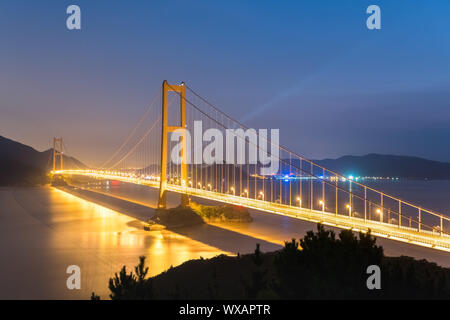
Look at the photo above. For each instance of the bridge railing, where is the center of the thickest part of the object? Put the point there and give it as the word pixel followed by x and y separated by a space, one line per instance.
pixel 301 181
pixel 420 236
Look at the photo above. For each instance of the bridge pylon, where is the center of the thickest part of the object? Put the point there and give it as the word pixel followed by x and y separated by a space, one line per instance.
pixel 165 129
pixel 57 152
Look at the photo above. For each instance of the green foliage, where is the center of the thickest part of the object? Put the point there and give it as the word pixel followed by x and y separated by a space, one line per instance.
pixel 257 258
pixel 177 217
pixel 258 286
pixel 326 266
pixel 213 286
pixel 225 212
pixel 319 266
pixel 124 286
pixel 94 296
pixel 406 277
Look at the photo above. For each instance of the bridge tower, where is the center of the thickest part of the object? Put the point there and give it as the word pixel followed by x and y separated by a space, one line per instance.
pixel 57 152
pixel 165 129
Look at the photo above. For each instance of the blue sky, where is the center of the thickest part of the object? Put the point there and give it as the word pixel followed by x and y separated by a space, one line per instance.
pixel 310 68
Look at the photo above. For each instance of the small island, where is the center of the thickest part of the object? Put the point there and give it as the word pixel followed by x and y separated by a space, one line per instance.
pixel 196 213
pixel 222 213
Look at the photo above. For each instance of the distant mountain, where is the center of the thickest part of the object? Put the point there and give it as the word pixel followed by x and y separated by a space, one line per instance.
pixel 370 165
pixel 22 164
pixel 388 166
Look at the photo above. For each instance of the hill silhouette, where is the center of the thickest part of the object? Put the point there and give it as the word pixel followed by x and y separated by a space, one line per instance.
pixel 376 165
pixel 23 165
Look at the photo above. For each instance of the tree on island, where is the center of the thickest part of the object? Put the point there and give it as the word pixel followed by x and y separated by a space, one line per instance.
pixel 326 266
pixel 124 286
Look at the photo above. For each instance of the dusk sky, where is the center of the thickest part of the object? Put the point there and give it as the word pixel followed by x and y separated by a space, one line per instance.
pixel 310 68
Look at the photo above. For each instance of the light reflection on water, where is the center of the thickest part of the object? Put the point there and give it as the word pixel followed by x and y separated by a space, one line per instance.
pixel 47 230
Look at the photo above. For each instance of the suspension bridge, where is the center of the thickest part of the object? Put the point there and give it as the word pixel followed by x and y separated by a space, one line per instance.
pixel 299 189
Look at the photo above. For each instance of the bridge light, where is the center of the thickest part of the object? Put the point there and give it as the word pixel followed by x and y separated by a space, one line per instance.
pixel 322 204
pixel 209 186
pixel 299 200
pixel 262 195
pixel 349 210
pixel 199 184
pixel 232 190
pixel 381 214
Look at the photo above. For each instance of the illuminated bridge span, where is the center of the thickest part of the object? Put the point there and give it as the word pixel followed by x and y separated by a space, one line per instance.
pixel 300 188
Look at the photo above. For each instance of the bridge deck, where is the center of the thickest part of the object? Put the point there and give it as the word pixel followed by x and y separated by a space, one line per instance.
pixel 423 238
